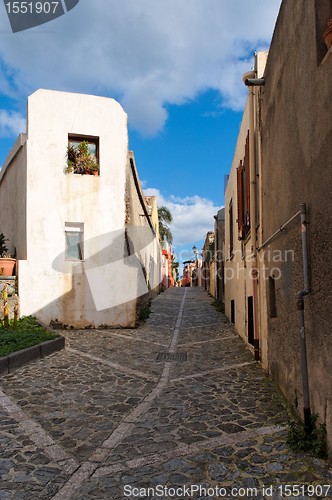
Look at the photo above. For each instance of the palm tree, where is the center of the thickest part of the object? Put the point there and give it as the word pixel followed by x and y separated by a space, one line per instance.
pixel 165 218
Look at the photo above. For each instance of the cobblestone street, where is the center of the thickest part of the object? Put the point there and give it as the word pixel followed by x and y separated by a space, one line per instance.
pixel 104 418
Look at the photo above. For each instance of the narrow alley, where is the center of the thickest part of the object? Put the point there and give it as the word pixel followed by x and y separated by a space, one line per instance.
pixel 174 409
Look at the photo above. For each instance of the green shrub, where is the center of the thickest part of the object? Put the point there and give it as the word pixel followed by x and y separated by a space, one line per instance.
pixel 315 442
pixel 144 311
pixel 26 334
pixel 219 306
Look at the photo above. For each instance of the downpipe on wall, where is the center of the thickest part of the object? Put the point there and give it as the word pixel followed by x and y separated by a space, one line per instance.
pixel 300 308
pixel 253 217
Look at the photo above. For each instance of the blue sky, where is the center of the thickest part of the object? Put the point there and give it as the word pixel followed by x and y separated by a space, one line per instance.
pixel 195 148
pixel 175 66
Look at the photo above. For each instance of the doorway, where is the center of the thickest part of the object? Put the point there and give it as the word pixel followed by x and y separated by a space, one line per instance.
pixel 251 321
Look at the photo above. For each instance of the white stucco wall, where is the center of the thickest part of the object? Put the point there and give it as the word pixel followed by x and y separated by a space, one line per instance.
pixel 140 232
pixel 50 288
pixel 13 183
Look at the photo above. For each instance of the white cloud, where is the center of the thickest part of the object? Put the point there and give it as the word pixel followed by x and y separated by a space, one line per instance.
pixel 11 123
pixel 192 216
pixel 147 53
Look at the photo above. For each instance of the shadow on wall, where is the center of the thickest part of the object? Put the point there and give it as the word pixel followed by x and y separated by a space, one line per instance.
pixel 106 287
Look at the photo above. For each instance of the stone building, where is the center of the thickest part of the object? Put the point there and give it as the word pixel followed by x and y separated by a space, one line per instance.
pixel 278 210
pixel 296 145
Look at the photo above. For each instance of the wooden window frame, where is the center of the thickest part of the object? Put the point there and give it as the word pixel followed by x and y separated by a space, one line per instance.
pixel 243 193
pixel 231 229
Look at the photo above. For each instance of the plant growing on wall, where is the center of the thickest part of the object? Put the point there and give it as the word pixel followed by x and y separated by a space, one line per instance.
pixel 315 442
pixel 3 247
pixel 80 160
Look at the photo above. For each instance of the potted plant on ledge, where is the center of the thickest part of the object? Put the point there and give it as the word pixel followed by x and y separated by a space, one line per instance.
pixel 80 160
pixel 7 263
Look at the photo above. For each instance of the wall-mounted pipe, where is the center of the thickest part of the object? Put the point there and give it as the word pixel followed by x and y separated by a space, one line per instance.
pixel 300 307
pixel 281 228
pixel 253 204
pixel 250 76
pixel 254 82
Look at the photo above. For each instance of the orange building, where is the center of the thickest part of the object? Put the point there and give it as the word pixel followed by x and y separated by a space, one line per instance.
pixel 167 279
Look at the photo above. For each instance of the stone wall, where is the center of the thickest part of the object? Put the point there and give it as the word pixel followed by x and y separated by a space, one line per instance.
pixel 13 298
pixel 296 134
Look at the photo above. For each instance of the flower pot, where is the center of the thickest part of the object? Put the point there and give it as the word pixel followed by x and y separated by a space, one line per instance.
pixel 328 35
pixel 7 265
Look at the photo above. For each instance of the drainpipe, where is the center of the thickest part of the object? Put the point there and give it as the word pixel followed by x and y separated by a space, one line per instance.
pixel 252 160
pixel 300 309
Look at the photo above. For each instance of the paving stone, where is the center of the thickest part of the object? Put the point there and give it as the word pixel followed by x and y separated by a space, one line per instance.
pixel 5 494
pixel 218 472
pixel 275 467
pixel 99 404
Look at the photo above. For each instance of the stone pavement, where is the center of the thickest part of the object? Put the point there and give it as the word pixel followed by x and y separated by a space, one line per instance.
pixel 103 419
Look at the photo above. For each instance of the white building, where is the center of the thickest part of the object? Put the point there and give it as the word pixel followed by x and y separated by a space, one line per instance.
pixel 83 258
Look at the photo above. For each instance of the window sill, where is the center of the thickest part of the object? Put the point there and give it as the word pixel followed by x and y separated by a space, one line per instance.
pixel 82 175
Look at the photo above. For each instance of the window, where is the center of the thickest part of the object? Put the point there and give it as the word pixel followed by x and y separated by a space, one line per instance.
pixel 243 194
pixel 231 229
pixel 93 143
pixel 74 234
pixel 272 298
pixel 83 154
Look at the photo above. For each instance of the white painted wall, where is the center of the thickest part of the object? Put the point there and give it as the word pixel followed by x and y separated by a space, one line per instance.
pixel 13 183
pixel 140 227
pixel 50 288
